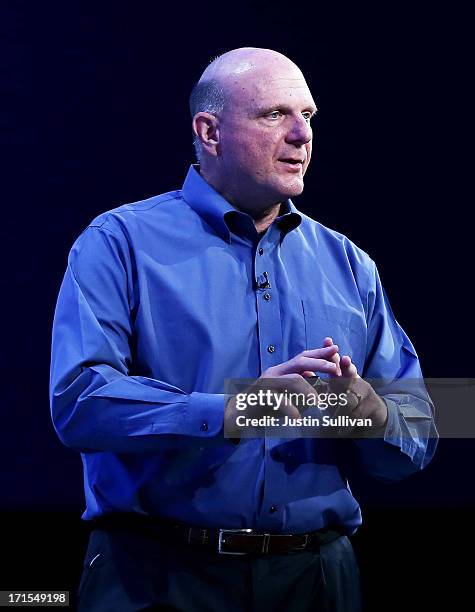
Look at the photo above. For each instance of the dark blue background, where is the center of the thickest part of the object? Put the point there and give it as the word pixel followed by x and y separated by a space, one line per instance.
pixel 95 114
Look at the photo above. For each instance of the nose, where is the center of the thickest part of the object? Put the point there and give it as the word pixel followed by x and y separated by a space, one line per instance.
pixel 299 132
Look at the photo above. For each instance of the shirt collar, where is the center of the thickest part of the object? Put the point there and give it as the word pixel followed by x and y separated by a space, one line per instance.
pixel 216 210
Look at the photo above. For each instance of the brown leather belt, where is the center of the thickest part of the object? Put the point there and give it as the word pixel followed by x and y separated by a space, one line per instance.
pixel 224 541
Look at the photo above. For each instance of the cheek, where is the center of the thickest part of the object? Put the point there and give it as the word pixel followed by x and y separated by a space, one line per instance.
pixel 256 153
pixel 309 157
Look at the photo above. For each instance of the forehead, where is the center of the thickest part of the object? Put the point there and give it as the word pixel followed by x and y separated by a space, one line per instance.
pixel 281 85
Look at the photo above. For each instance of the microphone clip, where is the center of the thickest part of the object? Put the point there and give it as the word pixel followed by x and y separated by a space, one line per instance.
pixel 263 284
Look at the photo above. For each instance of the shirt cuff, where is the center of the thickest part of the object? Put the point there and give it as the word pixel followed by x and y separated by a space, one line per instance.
pixel 394 433
pixel 205 414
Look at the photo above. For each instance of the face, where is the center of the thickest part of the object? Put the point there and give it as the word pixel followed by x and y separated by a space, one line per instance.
pixel 265 138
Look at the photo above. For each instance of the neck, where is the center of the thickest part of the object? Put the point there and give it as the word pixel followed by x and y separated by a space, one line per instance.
pixel 262 217
pixel 266 217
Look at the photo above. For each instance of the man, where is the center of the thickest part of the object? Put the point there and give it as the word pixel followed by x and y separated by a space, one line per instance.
pixel 165 299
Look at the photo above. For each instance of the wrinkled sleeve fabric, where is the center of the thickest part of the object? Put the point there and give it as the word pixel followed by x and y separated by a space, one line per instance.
pixel 96 405
pixel 410 436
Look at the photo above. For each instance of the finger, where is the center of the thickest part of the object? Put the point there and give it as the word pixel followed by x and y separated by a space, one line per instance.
pixel 285 383
pixel 315 360
pixel 336 361
pixel 292 375
pixel 324 352
pixel 303 363
pixel 348 369
pixel 349 374
pixel 289 383
pixel 327 342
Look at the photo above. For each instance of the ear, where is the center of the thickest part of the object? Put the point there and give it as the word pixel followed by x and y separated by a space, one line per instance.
pixel 206 128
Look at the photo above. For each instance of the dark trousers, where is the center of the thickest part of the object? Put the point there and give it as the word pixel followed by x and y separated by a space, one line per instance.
pixel 125 572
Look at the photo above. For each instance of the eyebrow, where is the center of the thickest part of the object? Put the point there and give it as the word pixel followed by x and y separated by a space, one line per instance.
pixel 268 109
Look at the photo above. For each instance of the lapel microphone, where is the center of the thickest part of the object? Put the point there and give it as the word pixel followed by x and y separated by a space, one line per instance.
pixel 263 284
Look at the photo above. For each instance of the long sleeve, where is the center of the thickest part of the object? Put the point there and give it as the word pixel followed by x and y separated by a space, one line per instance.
pixel 96 404
pixel 410 437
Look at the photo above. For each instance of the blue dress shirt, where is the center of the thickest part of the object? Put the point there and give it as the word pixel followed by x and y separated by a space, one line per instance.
pixel 160 304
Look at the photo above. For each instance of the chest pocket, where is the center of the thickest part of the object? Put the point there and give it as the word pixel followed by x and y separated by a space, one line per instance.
pixel 346 327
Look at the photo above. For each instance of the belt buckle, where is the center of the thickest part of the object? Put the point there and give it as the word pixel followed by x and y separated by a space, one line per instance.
pixel 222 532
pixel 303 546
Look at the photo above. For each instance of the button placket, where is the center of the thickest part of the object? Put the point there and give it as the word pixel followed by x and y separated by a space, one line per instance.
pixel 272 509
pixel 267 301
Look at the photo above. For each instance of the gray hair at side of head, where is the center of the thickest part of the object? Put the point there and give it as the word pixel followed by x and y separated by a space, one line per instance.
pixel 207 96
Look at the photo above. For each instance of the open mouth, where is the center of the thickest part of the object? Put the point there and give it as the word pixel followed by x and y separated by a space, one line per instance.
pixel 294 162
pixel 292 165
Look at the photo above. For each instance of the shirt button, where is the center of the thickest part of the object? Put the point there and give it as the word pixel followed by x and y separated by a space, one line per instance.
pixel 204 426
pixel 261 250
pixel 273 509
pixel 267 296
pixel 270 348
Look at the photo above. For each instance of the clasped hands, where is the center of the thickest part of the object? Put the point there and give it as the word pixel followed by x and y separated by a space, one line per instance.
pixel 362 402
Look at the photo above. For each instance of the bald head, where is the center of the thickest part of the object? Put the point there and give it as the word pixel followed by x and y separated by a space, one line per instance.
pixel 237 65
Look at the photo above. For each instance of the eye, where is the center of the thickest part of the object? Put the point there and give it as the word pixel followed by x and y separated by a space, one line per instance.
pixel 307 116
pixel 274 115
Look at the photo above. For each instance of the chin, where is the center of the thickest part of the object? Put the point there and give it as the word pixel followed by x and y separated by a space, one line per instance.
pixel 291 190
